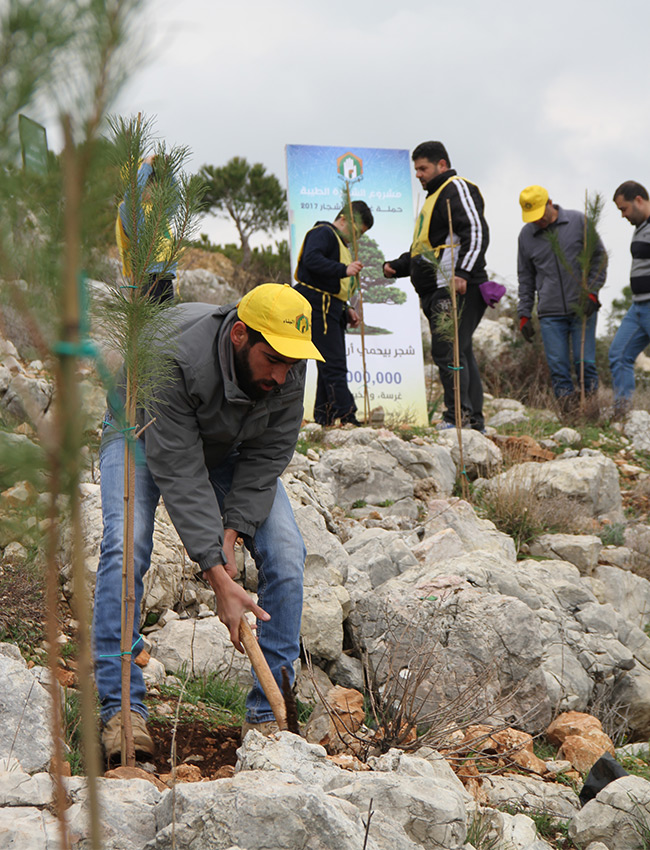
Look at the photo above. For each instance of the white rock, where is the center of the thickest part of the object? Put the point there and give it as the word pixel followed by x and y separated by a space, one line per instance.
pixel 260 809
pixel 199 647
pixel 583 550
pixel 507 417
pixel 591 480
pixel 568 436
pixel 528 793
pixel 322 620
pixel 482 458
pixel 25 708
pixel 637 429
pixel 615 816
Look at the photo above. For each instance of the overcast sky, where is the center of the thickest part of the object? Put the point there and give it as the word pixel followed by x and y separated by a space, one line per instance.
pixel 551 93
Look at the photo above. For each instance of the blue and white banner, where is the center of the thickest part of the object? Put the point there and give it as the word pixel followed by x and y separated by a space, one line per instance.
pixel 393 344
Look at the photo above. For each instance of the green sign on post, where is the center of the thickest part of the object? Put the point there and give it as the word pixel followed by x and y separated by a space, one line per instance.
pixel 33 143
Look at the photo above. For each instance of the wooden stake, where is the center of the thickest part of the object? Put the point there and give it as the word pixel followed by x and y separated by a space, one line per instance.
pixel 263 673
pixel 458 413
pixel 355 256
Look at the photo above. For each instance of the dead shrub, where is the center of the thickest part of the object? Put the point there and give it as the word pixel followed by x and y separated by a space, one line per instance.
pixel 415 697
pixel 518 511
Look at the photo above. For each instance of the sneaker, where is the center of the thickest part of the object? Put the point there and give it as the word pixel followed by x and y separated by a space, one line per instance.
pixel 266 728
pixel 112 736
pixel 445 426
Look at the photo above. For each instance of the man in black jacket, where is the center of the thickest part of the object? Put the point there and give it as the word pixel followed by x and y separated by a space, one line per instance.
pixel 325 275
pixel 429 265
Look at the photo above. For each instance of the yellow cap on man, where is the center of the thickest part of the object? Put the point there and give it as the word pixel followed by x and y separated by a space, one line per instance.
pixel 533 202
pixel 283 317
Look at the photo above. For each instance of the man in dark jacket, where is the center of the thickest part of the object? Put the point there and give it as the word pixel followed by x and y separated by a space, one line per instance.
pixel 550 266
pixel 325 275
pixel 429 265
pixel 221 433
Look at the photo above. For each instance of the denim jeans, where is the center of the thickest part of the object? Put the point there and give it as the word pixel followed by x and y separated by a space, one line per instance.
pixel 631 338
pixel 278 551
pixel 561 336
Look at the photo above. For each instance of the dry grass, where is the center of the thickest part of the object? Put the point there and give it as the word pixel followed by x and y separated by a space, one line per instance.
pixel 518 511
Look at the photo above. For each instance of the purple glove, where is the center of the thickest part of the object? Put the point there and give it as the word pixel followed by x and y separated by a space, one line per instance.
pixel 492 292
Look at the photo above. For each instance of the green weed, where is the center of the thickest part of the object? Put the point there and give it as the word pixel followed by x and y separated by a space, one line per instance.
pixel 613 535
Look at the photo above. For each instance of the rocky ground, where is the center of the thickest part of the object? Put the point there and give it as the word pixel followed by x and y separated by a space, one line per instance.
pixel 467 661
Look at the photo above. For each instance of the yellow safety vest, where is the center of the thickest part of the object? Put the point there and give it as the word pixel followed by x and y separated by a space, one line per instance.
pixel 124 244
pixel 421 244
pixel 348 284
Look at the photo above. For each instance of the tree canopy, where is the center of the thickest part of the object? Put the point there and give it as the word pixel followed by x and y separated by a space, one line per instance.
pixel 253 199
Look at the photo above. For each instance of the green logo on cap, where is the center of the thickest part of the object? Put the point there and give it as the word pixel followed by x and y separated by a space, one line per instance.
pixel 302 323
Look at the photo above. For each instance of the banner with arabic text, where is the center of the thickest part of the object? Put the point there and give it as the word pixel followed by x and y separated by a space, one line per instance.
pixel 393 344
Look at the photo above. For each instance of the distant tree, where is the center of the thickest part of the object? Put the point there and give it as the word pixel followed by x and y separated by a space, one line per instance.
pixel 374 287
pixel 253 199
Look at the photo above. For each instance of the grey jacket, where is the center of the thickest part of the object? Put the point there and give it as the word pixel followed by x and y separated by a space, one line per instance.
pixel 540 270
pixel 203 419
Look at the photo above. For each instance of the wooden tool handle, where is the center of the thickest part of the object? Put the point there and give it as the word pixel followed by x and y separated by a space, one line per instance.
pixel 263 673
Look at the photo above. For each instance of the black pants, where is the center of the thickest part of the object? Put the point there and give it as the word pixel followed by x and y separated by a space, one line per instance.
pixel 333 398
pixel 160 288
pixel 471 307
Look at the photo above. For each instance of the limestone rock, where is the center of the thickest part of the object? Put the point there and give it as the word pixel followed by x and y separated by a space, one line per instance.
pixel 25 708
pixel 616 816
pixel 327 560
pixel 507 417
pixel 591 480
pixel 480 456
pixel 259 809
pixel 322 620
pixel 572 723
pixel 627 592
pixel 530 794
pixel 491 337
pixel 431 816
pixel 637 429
pixel 363 473
pixel 127 812
pixel 291 755
pixel 584 752
pixel 199 647
pixel 445 642
pixel 334 725
pixel 474 533
pixel 203 285
pixel 568 436
pixel 582 550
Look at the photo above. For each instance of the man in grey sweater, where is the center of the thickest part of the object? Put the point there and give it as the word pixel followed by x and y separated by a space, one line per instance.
pixel 549 267
pixel 221 433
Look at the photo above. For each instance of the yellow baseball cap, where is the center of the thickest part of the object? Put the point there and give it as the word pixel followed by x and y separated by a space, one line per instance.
pixel 283 317
pixel 533 202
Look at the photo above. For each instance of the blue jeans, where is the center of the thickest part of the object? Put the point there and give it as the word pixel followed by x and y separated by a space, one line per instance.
pixel 561 336
pixel 278 551
pixel 631 338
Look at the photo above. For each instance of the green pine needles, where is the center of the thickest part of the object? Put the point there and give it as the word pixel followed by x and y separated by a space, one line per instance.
pixel 162 218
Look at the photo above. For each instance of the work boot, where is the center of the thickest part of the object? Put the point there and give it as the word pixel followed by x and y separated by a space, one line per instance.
pixel 266 728
pixel 112 736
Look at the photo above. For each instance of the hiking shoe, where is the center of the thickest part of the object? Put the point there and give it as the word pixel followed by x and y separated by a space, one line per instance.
pixel 112 736
pixel 266 728
pixel 444 425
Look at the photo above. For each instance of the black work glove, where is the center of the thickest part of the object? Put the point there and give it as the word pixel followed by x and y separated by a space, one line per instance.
pixel 592 304
pixel 526 328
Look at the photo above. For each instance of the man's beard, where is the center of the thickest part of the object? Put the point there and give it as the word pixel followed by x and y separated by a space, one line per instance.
pixel 245 376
